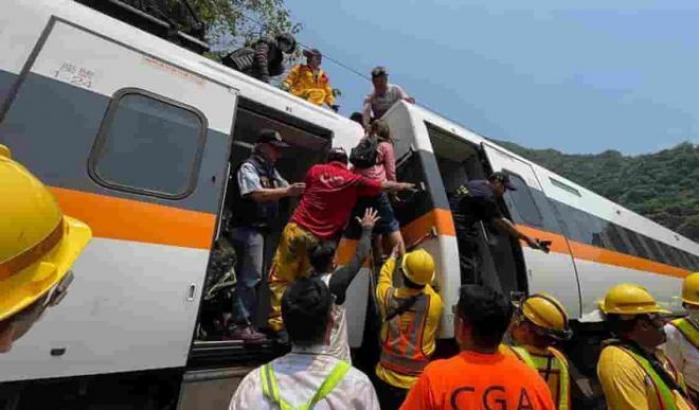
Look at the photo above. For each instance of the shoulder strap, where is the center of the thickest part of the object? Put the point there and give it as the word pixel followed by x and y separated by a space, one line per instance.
pixel 564 377
pixel 523 355
pixel 333 379
pixel 402 306
pixel 663 390
pixel 270 389
pixel 688 330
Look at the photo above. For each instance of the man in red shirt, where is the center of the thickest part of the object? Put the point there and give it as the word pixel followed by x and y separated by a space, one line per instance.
pixel 480 377
pixel 331 192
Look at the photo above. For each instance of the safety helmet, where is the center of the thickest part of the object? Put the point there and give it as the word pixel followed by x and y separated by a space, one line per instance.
pixel 547 313
pixel 629 299
pixel 690 289
pixel 38 244
pixel 418 267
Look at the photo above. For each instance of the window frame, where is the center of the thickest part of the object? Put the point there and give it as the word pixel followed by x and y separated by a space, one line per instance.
pixel 541 223
pixel 105 126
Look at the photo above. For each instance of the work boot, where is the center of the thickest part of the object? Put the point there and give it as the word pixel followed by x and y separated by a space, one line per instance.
pixel 247 334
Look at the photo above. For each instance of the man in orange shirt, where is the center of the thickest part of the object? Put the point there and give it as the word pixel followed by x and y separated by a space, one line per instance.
pixel 480 377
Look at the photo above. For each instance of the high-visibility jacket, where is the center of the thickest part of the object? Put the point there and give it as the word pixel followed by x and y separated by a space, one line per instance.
pixel 688 330
pixel 315 87
pixel 630 381
pixel 682 347
pixel 271 390
pixel 552 365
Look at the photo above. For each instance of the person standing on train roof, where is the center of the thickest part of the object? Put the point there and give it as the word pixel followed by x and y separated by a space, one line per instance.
pixel 38 246
pixel 382 168
pixel 264 59
pixel 309 377
pixel 477 200
pixel 480 377
pixel 410 317
pixel 256 191
pixel 539 322
pixel 309 81
pixel 682 346
pixel 633 371
pixel 339 280
pixel 331 192
pixel 383 97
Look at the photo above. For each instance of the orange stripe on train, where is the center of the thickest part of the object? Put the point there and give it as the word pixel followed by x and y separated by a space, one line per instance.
pixel 127 219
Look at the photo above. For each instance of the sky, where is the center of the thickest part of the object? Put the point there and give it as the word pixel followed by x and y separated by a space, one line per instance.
pixel 581 76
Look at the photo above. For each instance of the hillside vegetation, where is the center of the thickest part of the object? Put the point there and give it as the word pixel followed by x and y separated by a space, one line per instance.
pixel 663 186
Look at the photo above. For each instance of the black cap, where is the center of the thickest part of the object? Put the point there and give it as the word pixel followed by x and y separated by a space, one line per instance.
pixel 337 154
pixel 504 178
pixel 310 52
pixel 378 72
pixel 272 137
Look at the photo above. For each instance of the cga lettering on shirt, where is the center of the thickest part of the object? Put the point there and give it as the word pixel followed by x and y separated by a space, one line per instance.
pixel 494 397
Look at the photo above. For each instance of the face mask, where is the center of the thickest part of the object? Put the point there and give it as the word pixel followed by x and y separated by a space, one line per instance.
pixel 693 315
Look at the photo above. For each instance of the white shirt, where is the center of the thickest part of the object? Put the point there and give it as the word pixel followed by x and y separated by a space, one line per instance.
pixel 683 355
pixel 337 342
pixel 299 374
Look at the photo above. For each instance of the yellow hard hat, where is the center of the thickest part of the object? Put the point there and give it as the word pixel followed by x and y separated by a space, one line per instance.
pixel 629 299
pixel 418 266
pixel 38 244
pixel 545 311
pixel 690 289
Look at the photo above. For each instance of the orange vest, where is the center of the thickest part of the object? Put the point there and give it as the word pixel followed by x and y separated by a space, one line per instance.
pixel 401 350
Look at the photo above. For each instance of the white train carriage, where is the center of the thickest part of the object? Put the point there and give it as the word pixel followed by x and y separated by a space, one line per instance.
pixel 137 137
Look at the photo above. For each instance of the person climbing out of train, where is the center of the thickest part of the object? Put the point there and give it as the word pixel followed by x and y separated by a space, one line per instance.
pixel 331 192
pixel 38 246
pixel 682 346
pixel 339 279
pixel 480 376
pixel 382 97
pixel 256 191
pixel 410 316
pixel 538 324
pixel 309 81
pixel 264 59
pixel 309 376
pixel 375 159
pixel 633 371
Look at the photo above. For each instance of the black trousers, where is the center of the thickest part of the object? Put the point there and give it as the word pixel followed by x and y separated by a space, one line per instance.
pixel 390 397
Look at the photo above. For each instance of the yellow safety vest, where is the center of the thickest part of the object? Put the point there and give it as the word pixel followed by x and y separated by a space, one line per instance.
pixel 541 364
pixel 688 330
pixel 271 390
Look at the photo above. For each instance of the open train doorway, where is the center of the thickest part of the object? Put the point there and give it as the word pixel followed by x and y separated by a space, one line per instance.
pixel 308 145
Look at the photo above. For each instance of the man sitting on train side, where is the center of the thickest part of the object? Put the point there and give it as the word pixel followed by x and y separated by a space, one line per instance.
pixel 256 191
pixel 309 81
pixel 383 97
pixel 331 192
pixel 264 59
pixel 308 377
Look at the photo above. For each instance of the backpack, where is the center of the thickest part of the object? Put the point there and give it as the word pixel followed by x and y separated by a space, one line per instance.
pixel 365 153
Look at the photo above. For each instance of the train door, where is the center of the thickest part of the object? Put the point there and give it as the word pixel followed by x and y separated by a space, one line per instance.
pixel 530 210
pixel 136 147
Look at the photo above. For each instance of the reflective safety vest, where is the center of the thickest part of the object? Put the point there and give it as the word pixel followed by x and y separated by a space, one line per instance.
pixel 688 330
pixel 401 351
pixel 664 394
pixel 541 364
pixel 271 390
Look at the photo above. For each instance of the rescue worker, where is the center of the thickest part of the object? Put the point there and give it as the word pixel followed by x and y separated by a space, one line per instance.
pixel 308 377
pixel 264 59
pixel 331 192
pixel 480 377
pixel 682 346
pixel 309 81
pixel 634 373
pixel 538 323
pixel 339 279
pixel 38 246
pixel 257 189
pixel 410 315
pixel 382 97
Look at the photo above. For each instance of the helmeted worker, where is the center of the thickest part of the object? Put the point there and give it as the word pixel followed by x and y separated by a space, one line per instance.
pixel 682 346
pixel 539 321
pixel 634 374
pixel 38 245
pixel 309 81
pixel 410 316
pixel 309 377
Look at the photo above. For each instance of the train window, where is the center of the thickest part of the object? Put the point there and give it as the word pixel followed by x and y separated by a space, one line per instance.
pixel 660 255
pixel 669 251
pixel 523 202
pixel 638 246
pixel 149 144
pixel 684 258
pixel 614 236
pixel 564 186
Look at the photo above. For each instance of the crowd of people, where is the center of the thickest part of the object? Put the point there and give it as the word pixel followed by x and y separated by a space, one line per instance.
pixel 510 351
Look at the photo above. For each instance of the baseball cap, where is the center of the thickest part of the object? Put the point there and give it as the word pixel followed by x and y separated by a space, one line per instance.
pixel 504 178
pixel 337 154
pixel 378 71
pixel 312 52
pixel 272 137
